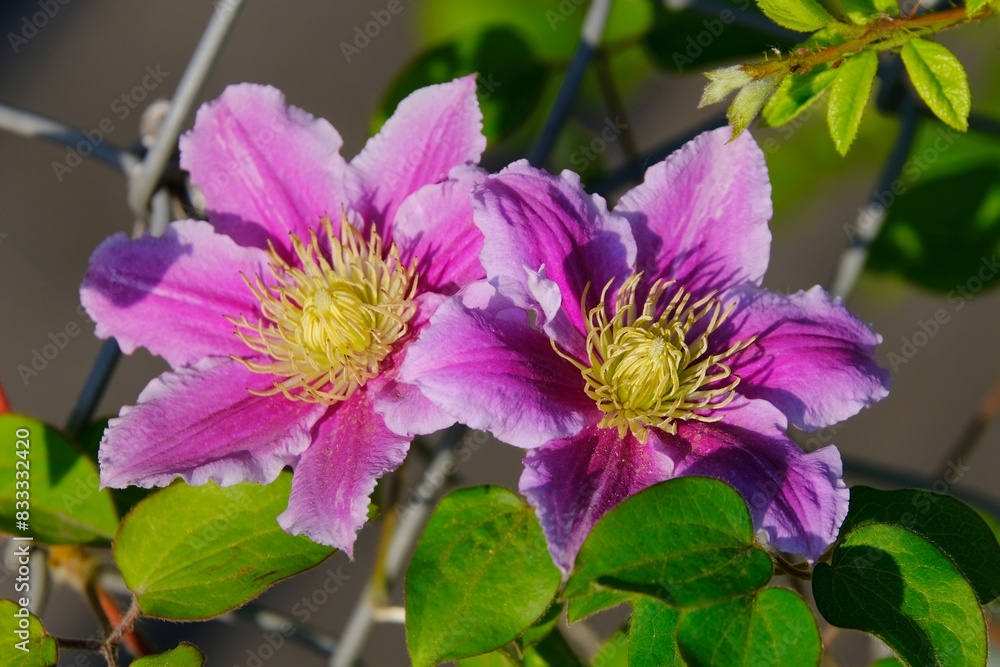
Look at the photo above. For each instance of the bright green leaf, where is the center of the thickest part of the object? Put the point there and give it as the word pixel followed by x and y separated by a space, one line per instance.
pixel 866 11
pixel 800 15
pixel 770 628
pixel 940 79
pixel 185 655
pixel 33 648
pixel 796 93
pixel 899 587
pixel 973 7
pixel 481 576
pixel 687 541
pixel 849 96
pixel 60 485
pixel 510 81
pixel 195 552
pixel 492 659
pixel 593 601
pixel 948 523
pixel 653 635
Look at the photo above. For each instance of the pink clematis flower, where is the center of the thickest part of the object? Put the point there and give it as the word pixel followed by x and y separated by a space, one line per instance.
pixel 286 317
pixel 649 349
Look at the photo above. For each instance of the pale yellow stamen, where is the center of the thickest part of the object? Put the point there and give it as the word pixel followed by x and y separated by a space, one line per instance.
pixel 330 321
pixel 649 370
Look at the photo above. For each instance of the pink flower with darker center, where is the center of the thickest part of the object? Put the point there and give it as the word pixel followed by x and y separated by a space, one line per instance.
pixel 626 347
pixel 285 318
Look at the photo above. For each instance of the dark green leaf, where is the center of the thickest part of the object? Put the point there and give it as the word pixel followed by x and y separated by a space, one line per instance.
pixel 614 652
pixel 552 651
pixel 687 541
pixel 948 523
pixel 943 233
pixel 25 642
pixel 541 628
pixel 61 486
pixel 801 15
pixel 195 552
pixel 510 79
pixel 940 79
pixel 652 635
pixel 687 39
pixel 796 93
pixel 849 96
pixel 185 655
pixel 593 601
pixel 770 628
pixel 888 662
pixel 898 586
pixel 480 577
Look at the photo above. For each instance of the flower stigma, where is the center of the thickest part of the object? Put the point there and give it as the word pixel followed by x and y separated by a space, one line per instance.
pixel 648 369
pixel 328 325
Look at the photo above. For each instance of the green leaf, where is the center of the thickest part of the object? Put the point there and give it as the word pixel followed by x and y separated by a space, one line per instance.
pixel 593 601
pixel 652 635
pixel 943 233
pixel 541 628
pixel 480 577
pixel 553 651
pixel 687 39
pixel 801 15
pixel 510 81
pixel 940 79
pixel 946 522
pixel 973 7
pixel 61 486
pixel 492 659
pixel 899 587
pixel 90 441
pixel 614 652
pixel 749 101
pixel 25 642
pixel 770 628
pixel 796 93
pixel 687 541
pixel 195 552
pixel 184 655
pixel 849 97
pixel 888 662
pixel 866 11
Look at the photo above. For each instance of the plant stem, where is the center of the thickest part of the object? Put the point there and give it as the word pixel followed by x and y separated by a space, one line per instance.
pixel 974 430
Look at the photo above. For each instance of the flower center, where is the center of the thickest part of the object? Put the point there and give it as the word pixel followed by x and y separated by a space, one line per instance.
pixel 649 370
pixel 328 323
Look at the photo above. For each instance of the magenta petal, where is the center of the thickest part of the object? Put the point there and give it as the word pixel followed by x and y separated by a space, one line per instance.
pixel 333 479
pixel 201 423
pixel 434 226
pixel 267 169
pixel 489 369
pixel 798 499
pixel 546 241
pixel 172 294
pixel 812 358
pixel 572 483
pixel 700 216
pixel 433 130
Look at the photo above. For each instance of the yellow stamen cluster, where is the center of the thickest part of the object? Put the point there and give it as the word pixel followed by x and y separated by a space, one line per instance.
pixel 328 323
pixel 650 368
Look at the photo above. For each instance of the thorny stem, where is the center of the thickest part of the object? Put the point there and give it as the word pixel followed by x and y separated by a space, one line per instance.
pixel 883 34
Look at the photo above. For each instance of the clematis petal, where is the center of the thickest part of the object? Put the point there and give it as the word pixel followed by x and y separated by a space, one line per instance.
pixel 798 499
pixel 812 358
pixel 546 241
pixel 171 294
pixel 266 169
pixel 482 363
pixel 333 479
pixel 432 131
pixel 572 483
pixel 434 226
pixel 201 423
pixel 700 216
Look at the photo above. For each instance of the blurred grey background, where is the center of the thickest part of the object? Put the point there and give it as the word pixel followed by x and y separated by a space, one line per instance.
pixel 91 53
